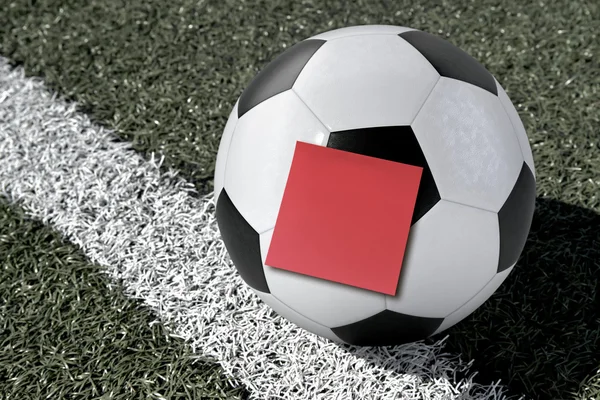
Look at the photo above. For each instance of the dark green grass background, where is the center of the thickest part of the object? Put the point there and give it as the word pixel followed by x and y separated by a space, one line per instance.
pixel 68 332
pixel 165 74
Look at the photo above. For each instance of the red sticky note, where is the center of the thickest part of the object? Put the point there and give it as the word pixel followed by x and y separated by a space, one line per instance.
pixel 345 217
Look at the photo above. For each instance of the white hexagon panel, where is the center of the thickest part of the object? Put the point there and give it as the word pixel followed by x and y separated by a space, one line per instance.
pixel 263 147
pixel 474 302
pixel 470 144
pixel 296 318
pixel 452 253
pixel 346 89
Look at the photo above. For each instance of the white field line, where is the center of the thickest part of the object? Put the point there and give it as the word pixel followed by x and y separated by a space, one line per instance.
pixel 152 233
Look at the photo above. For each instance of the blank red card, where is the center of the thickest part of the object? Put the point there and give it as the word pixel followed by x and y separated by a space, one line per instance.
pixel 345 217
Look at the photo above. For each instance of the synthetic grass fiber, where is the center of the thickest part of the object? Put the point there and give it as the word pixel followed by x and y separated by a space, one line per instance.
pixel 164 75
pixel 67 331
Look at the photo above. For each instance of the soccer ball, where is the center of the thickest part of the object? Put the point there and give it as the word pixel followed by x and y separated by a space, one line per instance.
pixel 374 185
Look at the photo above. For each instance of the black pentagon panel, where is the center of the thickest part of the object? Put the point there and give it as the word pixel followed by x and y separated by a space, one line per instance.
pixel 450 61
pixel 393 143
pixel 515 218
pixel 279 75
pixel 242 243
pixel 388 328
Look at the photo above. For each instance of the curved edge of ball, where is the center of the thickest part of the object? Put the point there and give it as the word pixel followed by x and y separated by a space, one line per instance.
pixel 361 30
pixel 223 151
pixel 475 302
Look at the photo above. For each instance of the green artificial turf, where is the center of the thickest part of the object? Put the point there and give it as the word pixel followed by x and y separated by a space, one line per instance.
pixel 166 74
pixel 68 332
pixel 540 332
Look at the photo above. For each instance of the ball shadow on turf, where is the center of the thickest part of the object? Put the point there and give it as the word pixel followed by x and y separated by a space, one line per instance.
pixel 540 332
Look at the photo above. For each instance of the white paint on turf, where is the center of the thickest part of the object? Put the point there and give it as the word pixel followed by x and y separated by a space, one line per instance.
pixel 150 231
